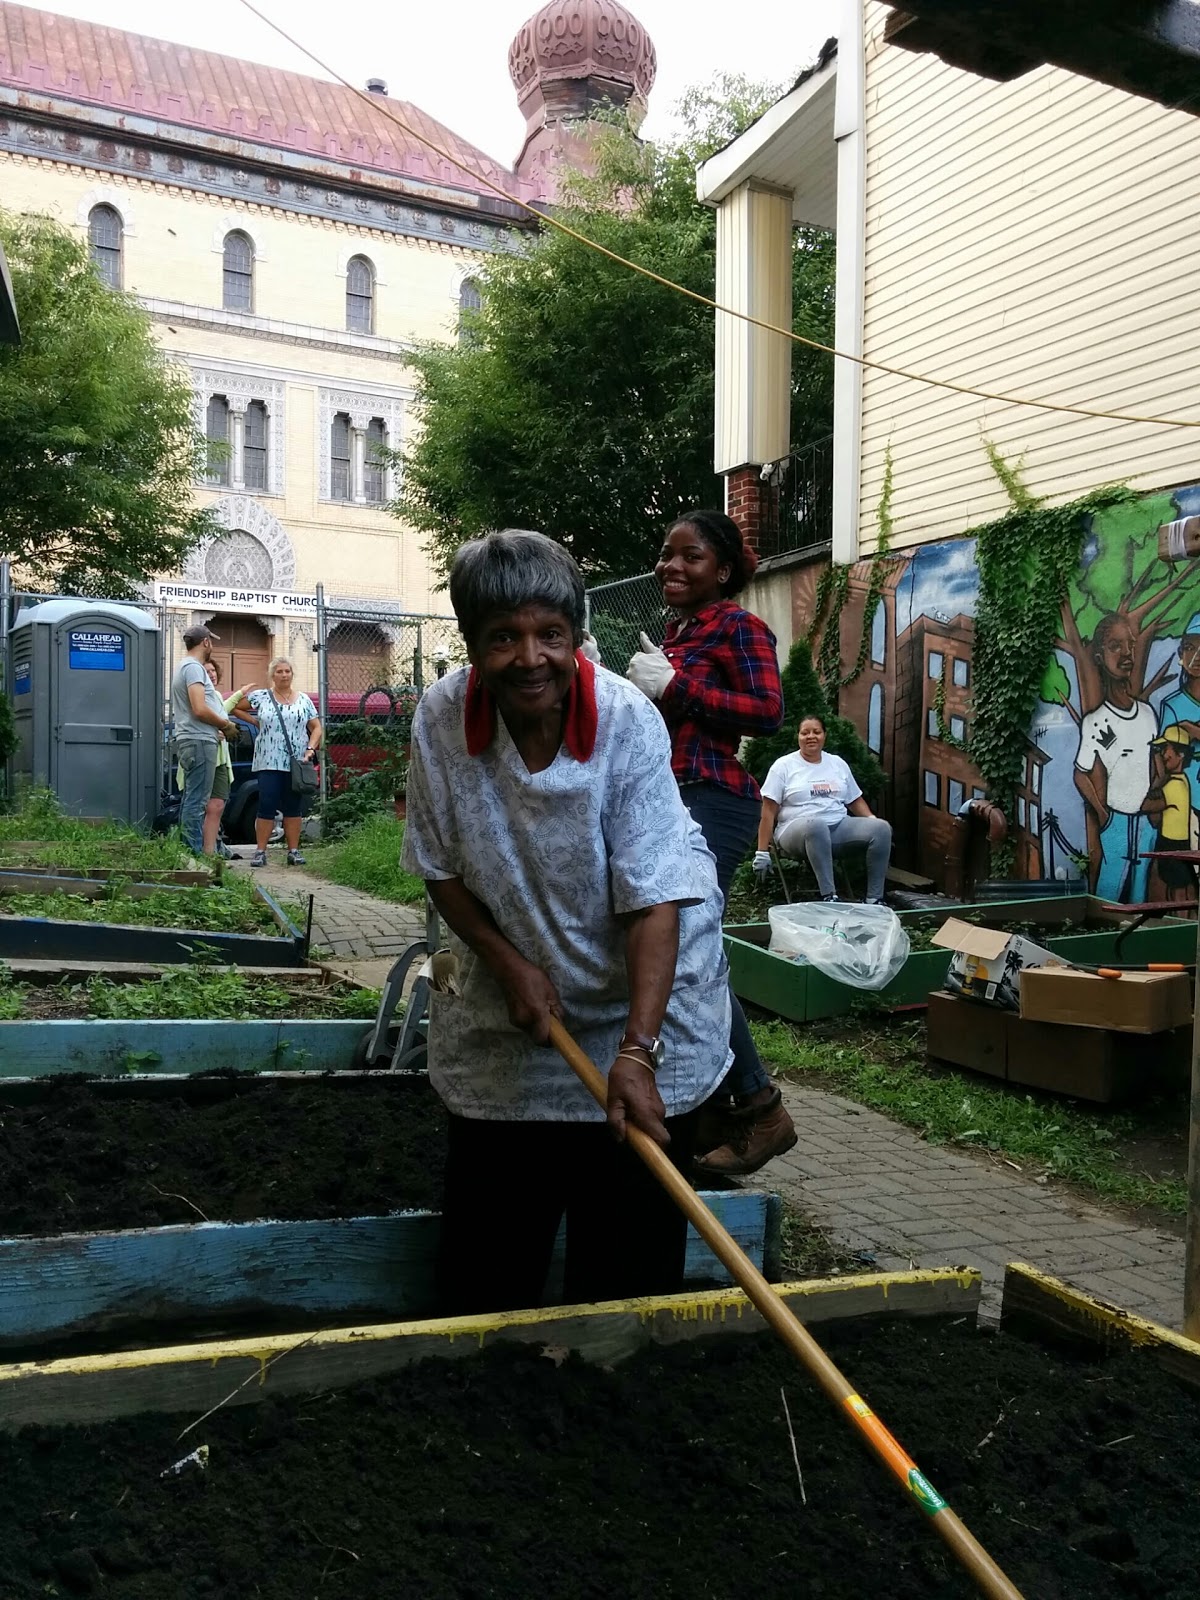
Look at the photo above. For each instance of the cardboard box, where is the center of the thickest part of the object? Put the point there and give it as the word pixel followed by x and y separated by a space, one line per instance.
pixel 1088 1064
pixel 1136 1002
pixel 966 1035
pixel 988 962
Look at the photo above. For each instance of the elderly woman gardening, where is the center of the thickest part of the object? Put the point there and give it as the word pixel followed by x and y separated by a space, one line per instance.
pixel 544 817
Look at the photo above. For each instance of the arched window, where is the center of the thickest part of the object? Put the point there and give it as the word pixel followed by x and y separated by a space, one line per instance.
pixel 340 478
pixel 238 278
pixel 879 635
pixel 216 429
pixel 360 295
pixel 470 300
pixel 104 244
pixel 374 468
pixel 254 446
pixel 875 719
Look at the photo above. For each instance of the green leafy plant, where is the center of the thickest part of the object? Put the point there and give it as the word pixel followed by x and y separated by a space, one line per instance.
pixel 833 591
pixel 884 1068
pixel 367 857
pixel 99 451
pixel 1026 560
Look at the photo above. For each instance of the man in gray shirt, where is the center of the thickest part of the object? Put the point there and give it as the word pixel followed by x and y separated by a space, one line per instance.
pixel 199 718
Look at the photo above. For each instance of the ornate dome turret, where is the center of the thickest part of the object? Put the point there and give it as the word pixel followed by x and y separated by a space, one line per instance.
pixel 575 39
pixel 570 59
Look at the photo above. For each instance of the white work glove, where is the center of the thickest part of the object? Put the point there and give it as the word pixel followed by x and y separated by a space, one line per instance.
pixel 762 864
pixel 591 649
pixel 649 670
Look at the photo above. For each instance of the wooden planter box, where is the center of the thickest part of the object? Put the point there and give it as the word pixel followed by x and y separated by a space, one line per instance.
pixel 74 1286
pixel 104 1048
pixel 197 1376
pixel 50 938
pixel 802 994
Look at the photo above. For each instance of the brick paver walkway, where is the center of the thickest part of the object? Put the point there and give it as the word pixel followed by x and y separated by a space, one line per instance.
pixel 351 925
pixel 877 1187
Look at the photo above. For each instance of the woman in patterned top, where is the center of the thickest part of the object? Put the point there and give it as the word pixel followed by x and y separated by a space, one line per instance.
pixel 544 818
pixel 716 682
pixel 279 708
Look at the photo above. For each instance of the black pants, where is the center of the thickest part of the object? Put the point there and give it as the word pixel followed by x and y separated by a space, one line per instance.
pixel 508 1185
pixel 729 822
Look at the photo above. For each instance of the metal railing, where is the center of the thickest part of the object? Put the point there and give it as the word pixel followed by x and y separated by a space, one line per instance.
pixel 805 501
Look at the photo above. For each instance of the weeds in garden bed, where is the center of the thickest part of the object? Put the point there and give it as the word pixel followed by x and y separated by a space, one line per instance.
pixel 885 1069
pixel 185 993
pixel 368 858
pixel 230 908
pixel 57 839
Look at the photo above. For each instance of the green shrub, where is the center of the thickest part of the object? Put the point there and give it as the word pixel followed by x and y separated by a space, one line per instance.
pixel 803 697
pixel 367 857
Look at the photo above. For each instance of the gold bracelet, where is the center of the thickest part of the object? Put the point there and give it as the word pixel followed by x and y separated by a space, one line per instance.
pixel 624 1055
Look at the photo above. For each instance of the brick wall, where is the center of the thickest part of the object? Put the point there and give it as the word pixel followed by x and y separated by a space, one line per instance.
pixel 754 506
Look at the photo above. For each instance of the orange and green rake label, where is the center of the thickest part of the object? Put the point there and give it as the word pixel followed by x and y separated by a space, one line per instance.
pixel 898 1459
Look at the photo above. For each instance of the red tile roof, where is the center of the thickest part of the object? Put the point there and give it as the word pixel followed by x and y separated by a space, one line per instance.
pixel 41 53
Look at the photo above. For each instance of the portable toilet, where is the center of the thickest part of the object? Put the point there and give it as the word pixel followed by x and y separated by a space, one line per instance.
pixel 87 702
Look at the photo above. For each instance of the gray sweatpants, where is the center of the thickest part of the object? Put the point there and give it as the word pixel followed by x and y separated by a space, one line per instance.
pixel 820 843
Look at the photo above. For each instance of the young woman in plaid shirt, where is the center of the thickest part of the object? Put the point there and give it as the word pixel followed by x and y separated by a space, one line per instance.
pixel 716 681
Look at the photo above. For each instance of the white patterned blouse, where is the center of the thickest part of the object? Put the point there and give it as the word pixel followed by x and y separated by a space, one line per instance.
pixel 557 857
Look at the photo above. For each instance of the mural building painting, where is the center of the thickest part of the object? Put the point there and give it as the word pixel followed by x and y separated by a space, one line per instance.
pixel 1111 770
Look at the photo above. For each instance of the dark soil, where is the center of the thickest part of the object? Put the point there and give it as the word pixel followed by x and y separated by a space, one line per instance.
pixel 83 1157
pixel 507 1474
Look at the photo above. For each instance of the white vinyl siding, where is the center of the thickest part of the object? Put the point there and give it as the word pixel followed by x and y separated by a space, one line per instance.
pixel 1035 238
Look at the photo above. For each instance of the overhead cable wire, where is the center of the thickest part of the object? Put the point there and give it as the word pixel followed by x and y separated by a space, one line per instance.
pixel 546 219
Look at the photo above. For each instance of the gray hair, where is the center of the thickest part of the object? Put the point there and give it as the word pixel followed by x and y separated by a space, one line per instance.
pixel 280 661
pixel 510 569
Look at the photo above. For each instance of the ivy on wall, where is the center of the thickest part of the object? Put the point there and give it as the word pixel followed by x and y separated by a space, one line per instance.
pixel 1026 560
pixel 833 590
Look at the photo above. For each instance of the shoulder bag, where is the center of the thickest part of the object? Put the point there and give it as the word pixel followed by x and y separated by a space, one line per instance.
pixel 303 773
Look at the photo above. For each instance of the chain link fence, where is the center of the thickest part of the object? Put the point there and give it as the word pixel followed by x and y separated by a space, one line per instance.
pixel 618 613
pixel 374 663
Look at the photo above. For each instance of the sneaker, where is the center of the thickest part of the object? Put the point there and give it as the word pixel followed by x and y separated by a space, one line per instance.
pixel 829 899
pixel 259 858
pixel 295 859
pixel 760 1133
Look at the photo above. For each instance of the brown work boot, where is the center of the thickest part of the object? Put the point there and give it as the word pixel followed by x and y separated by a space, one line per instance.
pixel 758 1134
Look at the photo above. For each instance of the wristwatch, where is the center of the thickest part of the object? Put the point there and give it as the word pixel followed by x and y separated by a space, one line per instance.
pixel 653 1047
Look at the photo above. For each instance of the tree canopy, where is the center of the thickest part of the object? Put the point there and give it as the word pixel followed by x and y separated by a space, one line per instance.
pixel 98 447
pixel 579 400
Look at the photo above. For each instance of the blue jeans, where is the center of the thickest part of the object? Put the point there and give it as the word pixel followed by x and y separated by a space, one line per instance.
pixel 198 758
pixel 1122 877
pixel 729 823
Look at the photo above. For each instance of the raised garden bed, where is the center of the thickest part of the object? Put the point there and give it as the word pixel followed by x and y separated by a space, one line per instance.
pixel 352 1464
pixel 192 993
pixel 1073 927
pixel 166 925
pixel 221 1199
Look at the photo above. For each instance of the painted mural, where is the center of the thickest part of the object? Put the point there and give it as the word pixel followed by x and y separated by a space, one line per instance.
pixel 1111 769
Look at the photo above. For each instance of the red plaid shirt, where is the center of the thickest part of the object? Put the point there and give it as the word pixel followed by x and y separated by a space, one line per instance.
pixel 726 686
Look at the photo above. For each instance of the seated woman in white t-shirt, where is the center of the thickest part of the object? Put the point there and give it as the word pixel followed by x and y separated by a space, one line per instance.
pixel 812 806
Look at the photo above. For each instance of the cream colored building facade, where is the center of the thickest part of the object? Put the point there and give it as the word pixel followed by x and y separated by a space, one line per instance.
pixel 288 269
pixel 1030 238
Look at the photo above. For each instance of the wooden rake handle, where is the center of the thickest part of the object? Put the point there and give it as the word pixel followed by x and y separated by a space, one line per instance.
pixel 988 1577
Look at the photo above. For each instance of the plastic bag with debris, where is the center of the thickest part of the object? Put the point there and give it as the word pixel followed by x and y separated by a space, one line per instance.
pixel 863 946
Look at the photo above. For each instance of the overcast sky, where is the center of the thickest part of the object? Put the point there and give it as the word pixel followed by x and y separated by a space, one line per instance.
pixel 451 59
